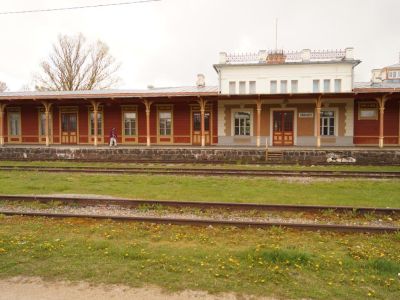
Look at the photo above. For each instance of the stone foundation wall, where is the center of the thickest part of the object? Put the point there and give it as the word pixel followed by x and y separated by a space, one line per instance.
pixel 229 155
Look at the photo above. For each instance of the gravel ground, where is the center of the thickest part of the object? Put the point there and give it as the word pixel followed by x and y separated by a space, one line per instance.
pixel 34 288
pixel 184 214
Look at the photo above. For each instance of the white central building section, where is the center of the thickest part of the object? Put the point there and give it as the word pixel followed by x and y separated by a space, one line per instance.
pixel 281 72
pixel 286 98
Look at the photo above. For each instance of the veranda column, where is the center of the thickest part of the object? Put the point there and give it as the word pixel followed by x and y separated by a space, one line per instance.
pixel 202 104
pixel 258 129
pixel 95 116
pixel 2 107
pixel 381 103
pixel 47 107
pixel 318 121
pixel 147 104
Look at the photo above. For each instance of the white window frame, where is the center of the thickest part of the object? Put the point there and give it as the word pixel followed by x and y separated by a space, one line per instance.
pixel 100 128
pixel 164 134
pixel 17 111
pixel 232 84
pixel 270 86
pixel 319 85
pixel 340 85
pixel 286 86
pixel 135 129
pixel 252 87
pixel 336 116
pixel 327 88
pixel 242 87
pixel 41 112
pixel 297 86
pixel 247 110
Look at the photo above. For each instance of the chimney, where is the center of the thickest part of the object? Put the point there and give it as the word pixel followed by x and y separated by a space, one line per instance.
pixel 200 81
pixel 222 58
pixel 349 53
pixel 305 54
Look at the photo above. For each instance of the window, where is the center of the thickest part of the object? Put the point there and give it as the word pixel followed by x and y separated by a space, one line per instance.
pixel 294 86
pixel 242 87
pixel 242 123
pixel 273 87
pixel 327 123
pixel 165 120
pixel 129 123
pixel 367 111
pixel 252 87
pixel 338 85
pixel 327 85
pixel 316 86
pixel 394 74
pixel 283 86
pixel 99 123
pixel 232 87
pixel 14 122
pixel 42 123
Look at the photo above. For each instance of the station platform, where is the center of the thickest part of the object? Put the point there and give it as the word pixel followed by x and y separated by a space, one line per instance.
pixel 217 154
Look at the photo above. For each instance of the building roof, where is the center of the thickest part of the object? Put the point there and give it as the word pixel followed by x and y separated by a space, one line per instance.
pixel 395 66
pixel 281 57
pixel 386 85
pixel 153 92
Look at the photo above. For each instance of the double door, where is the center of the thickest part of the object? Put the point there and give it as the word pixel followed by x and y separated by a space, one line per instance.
pixel 283 134
pixel 196 128
pixel 69 132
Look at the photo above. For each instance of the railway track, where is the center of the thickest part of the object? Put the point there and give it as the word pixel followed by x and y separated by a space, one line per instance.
pixel 205 171
pixel 128 203
pixel 211 222
pixel 134 203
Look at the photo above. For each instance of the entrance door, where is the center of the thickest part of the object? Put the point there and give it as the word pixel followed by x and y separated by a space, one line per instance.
pixel 196 128
pixel 283 128
pixel 69 128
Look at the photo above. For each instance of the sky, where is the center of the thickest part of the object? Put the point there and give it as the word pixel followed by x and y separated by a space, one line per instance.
pixel 168 43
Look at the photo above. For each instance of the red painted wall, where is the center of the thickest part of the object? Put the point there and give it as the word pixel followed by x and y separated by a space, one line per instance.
pixel 367 131
pixel 29 123
pixel 112 115
pixel 391 122
pixel 181 122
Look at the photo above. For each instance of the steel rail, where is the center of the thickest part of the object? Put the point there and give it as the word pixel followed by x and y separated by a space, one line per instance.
pixel 134 203
pixel 205 171
pixel 208 162
pixel 208 222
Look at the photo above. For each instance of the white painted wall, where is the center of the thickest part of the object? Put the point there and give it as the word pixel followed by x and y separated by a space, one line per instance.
pixel 305 73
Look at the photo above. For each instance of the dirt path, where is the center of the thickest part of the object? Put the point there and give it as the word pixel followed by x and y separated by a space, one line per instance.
pixel 28 288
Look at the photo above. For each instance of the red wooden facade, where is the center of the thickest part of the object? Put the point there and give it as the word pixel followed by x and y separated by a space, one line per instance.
pixel 112 117
pixel 193 118
pixel 366 131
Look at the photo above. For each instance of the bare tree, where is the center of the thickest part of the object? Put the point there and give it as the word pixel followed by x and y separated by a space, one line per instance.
pixel 75 65
pixel 3 86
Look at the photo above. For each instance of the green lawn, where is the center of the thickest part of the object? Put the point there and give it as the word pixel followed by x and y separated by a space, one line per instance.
pixel 203 166
pixel 382 193
pixel 274 262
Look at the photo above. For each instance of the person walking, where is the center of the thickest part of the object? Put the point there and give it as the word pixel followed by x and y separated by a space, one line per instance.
pixel 113 137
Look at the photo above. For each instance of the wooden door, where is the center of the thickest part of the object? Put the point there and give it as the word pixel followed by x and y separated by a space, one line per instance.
pixel 283 134
pixel 69 134
pixel 196 128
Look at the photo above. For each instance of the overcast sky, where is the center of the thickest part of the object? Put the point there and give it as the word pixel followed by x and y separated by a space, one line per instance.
pixel 167 43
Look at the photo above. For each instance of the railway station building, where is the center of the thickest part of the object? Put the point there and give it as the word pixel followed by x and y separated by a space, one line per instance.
pixel 269 98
